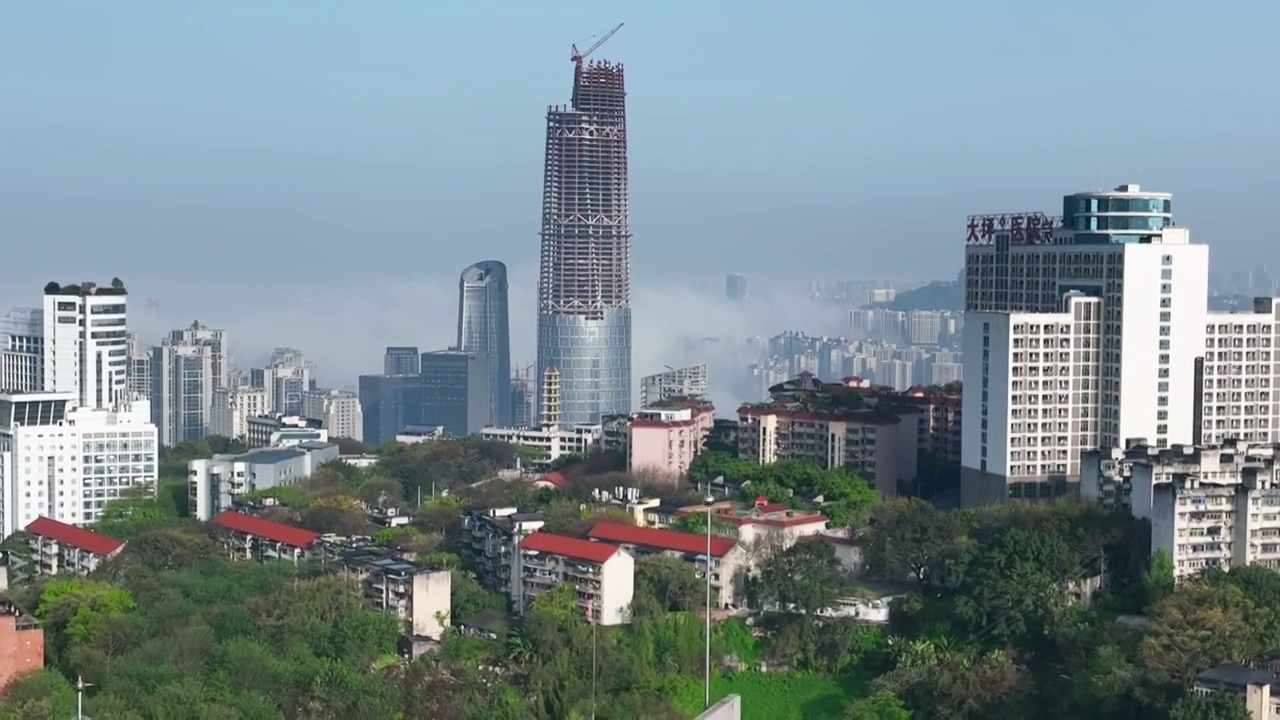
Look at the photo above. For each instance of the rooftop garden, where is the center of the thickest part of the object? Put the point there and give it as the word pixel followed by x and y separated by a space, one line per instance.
pixel 115 288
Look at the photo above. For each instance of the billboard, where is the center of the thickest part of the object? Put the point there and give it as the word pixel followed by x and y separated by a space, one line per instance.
pixel 1028 228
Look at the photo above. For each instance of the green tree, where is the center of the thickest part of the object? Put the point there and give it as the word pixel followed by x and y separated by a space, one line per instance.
pixel 1157 582
pixel 806 576
pixel 1200 626
pixel 879 706
pixel 911 536
pixel 663 584
pixel 76 608
pixel 1015 583
pixel 1217 706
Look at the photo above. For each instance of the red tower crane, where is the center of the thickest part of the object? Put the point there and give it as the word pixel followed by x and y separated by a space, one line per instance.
pixel 578 57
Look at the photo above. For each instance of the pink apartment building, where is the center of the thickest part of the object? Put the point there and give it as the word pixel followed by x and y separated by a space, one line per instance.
pixel 665 440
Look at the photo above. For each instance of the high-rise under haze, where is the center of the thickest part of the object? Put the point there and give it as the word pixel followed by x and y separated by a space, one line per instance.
pixel 484 329
pixel 584 282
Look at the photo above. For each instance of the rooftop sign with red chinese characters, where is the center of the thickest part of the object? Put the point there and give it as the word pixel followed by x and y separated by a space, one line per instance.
pixel 1032 228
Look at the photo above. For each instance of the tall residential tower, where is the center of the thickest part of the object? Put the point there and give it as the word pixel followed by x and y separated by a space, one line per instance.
pixel 484 329
pixel 584 283
pixel 1081 332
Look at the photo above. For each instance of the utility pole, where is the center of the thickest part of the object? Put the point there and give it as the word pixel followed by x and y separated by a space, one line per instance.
pixel 80 688
pixel 709 500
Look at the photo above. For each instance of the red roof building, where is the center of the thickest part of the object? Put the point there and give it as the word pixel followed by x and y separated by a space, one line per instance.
pixel 660 539
pixel 569 547
pixel 294 537
pixel 76 537
pixel 603 575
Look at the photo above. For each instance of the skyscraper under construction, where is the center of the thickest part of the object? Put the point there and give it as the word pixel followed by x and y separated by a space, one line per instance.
pixel 584 283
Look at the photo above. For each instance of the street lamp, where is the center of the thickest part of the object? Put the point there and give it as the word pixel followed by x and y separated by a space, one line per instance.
pixel 709 500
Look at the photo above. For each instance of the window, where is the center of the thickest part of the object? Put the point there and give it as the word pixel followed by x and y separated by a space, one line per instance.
pixel 1166 260
pixel 1166 274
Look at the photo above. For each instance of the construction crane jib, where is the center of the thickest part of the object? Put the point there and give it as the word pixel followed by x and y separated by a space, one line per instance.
pixel 578 57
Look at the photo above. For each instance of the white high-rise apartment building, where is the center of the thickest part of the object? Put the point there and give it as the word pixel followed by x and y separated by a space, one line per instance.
pixel 22 350
pixel 689 382
pixel 337 410
pixel 85 345
pixel 139 369
pixel 1238 394
pixel 286 377
pixel 65 462
pixel 1122 248
pixel 202 335
pixel 186 368
pixel 181 392
pixel 233 406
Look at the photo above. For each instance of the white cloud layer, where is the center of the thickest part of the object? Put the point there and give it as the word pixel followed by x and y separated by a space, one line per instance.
pixel 344 328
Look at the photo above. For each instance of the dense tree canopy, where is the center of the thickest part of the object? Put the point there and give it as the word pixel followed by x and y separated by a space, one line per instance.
pixel 846 497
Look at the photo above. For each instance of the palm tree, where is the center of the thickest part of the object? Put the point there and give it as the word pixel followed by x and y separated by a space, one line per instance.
pixel 519 649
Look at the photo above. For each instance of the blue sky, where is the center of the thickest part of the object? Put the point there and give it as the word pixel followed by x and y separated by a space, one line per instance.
pixel 238 144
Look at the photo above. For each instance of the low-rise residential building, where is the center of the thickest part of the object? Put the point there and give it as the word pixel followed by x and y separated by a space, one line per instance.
pixel 494 547
pixel 418 595
pixel 214 483
pixel 775 524
pixel 21 643
pixel 727 556
pixel 662 440
pixel 603 575
pixel 254 538
pixel 835 425
pixel 549 441
pixel 1259 688
pixel 57 547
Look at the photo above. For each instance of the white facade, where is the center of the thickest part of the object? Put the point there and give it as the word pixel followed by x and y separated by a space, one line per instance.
pixel 1042 395
pixel 1152 285
pixel 65 463
pixel 337 410
pixel 604 585
pixel 1237 398
pixel 22 350
pixel 232 407
pixel 182 382
pixel 85 345
pixel 690 382
pixel 552 441
pixel 286 377
pixel 1214 521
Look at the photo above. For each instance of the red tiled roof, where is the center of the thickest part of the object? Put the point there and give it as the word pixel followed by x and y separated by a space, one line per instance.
pixel 659 538
pixel 596 552
pixel 74 536
pixel 279 532
pixel 555 477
